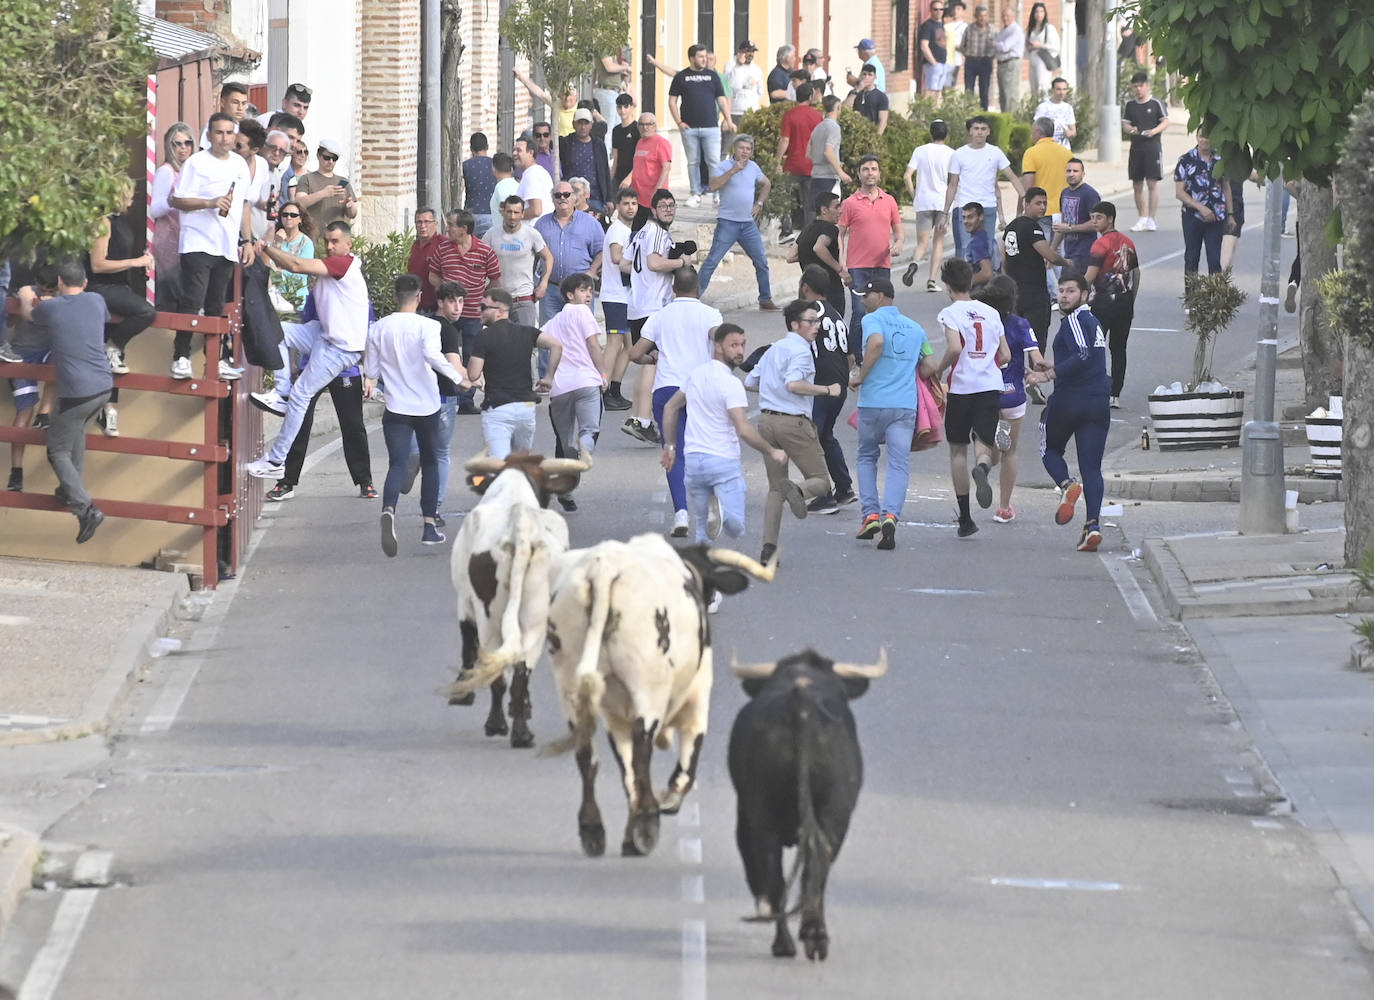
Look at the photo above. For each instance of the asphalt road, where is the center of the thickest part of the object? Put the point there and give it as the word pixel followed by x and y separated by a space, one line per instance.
pixel 1057 803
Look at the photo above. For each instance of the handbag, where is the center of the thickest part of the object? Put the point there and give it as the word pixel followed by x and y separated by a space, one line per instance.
pixel 1047 57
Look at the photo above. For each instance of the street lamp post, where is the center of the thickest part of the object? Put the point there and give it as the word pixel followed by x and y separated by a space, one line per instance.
pixel 1109 118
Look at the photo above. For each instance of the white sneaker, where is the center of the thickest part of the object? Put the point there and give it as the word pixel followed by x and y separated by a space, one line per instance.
pixel 263 469
pixel 181 368
pixel 1003 436
pixel 109 422
pixel 681 522
pixel 1115 403
pixel 117 365
pixel 272 402
pixel 1290 301
pixel 713 518
pixel 228 372
pixel 1141 224
pixel 1150 226
pixel 694 201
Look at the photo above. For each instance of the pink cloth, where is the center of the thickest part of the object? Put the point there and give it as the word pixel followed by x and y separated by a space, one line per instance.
pixel 572 326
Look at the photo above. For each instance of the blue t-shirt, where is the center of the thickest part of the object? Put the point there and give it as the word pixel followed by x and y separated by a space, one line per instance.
pixel 737 197
pixel 978 249
pixel 892 382
pixel 1020 339
pixel 479 183
pixel 1075 205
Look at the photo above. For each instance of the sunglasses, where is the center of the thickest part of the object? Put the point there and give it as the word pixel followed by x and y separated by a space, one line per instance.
pixel 328 156
pixel 560 195
pixel 492 305
pixel 299 90
pixel 542 135
pixel 183 142
pixel 290 215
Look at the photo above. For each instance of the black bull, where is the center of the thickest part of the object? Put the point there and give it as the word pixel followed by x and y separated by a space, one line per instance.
pixel 797 769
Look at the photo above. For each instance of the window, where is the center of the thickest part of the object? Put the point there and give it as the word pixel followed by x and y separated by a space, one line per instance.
pixel 741 22
pixel 706 22
pixel 648 40
pixel 901 35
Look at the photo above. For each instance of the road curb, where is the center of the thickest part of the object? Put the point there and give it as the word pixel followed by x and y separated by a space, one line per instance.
pixel 18 854
pixel 120 672
pixel 1164 487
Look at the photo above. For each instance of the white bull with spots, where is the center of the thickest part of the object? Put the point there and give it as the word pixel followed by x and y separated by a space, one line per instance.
pixel 630 645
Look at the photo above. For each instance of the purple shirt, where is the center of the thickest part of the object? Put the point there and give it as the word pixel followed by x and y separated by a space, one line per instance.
pixel 1020 339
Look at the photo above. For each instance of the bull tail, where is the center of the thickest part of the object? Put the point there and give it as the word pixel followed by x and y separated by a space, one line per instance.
pixel 590 685
pixel 813 848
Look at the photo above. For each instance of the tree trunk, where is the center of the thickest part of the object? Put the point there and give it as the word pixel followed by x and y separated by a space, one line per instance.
pixel 1097 30
pixel 1357 448
pixel 451 104
pixel 1321 345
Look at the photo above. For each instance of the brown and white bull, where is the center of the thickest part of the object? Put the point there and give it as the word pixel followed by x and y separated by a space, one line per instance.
pixel 630 644
pixel 500 566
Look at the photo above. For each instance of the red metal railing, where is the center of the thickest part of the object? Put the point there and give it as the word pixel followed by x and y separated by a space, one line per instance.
pixel 232 434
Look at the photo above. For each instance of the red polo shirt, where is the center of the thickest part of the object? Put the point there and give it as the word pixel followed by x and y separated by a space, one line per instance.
pixel 870 222
pixel 477 270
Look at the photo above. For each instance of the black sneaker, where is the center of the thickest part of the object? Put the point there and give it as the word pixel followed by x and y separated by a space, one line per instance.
pixel 468 410
pixel 887 527
pixel 42 420
pixel 16 484
pixel 822 505
pixel 615 401
pixel 432 535
pixel 367 491
pixel 846 497
pixel 768 552
pixel 909 275
pixel 967 527
pixel 566 501
pixel 282 491
pixel 388 525
pixel 89 522
pixel 984 488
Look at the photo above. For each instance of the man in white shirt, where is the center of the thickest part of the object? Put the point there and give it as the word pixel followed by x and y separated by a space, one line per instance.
pixel 681 334
pixel 785 378
pixel 249 144
pixel 930 165
pixel 746 82
pixel 233 101
pixel 975 345
pixel 716 422
pixel 536 186
pixel 973 171
pixel 403 349
pixel 1058 110
pixel 334 342
pixel 615 294
pixel 653 259
pixel 216 230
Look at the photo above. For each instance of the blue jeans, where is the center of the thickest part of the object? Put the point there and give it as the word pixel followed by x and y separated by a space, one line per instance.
pixel 861 276
pixel 1196 233
pixel 747 235
pixel 1087 421
pixel 700 144
pixel 400 430
pixel 508 428
pixel 707 474
pixel 824 412
pixel 675 483
pixel 327 362
pixel 469 328
pixel 894 428
pixel 448 407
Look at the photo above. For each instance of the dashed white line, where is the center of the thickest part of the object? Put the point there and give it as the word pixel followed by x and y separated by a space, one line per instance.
pixel 45 974
pixel 693 960
pixel 1136 601
pixel 689 853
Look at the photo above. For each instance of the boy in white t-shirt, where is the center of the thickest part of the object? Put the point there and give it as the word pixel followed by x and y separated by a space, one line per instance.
pixel 615 293
pixel 930 165
pixel 717 420
pixel 976 350
pixel 973 171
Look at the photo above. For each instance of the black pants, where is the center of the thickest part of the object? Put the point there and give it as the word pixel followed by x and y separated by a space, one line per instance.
pixel 136 311
pixel 347 394
pixel 1033 303
pixel 978 72
pixel 802 211
pixel 204 286
pixel 825 410
pixel 1116 321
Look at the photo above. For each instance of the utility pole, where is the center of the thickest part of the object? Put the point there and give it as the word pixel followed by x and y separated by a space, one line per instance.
pixel 1261 471
pixel 431 32
pixel 505 89
pixel 1109 120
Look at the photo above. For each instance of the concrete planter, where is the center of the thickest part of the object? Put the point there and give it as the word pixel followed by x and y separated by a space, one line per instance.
pixel 1324 435
pixel 1192 421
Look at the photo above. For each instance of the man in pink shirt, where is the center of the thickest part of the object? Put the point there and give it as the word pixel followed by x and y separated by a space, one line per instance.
pixel 653 160
pixel 870 234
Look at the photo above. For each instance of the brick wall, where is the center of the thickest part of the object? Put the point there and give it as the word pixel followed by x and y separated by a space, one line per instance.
pixel 389 47
pixel 202 15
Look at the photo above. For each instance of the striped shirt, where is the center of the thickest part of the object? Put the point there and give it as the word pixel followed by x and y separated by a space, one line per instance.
pixel 477 270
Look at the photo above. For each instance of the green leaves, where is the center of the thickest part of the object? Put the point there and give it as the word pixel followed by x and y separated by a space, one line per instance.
pixel 565 38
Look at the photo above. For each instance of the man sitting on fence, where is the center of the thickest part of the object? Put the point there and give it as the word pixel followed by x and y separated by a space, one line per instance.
pixel 334 342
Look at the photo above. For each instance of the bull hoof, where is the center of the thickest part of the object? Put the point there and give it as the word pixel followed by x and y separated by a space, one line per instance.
pixel 644 833
pixel 783 946
pixel 520 736
pixel 629 850
pixel 496 727
pixel 815 940
pixel 593 839
pixel 670 801
pixel 462 699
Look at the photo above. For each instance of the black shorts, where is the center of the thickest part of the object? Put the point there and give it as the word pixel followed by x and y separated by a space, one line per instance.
pixel 972 415
pixel 636 328
pixel 1145 162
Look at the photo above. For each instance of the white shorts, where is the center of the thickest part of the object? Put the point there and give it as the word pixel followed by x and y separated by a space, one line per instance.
pixel 1014 412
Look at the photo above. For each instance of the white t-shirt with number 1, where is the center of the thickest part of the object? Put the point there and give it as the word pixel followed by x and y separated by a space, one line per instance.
pixel 980 330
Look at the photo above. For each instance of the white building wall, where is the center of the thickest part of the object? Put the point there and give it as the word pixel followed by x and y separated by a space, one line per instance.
pixel 324 54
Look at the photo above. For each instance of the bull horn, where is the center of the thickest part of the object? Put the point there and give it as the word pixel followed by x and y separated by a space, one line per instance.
pixel 483 462
pixel 729 557
pixel 868 670
pixel 555 466
pixel 751 671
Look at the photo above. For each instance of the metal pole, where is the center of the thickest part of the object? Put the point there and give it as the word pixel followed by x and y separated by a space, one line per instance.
pixel 1261 473
pixel 1109 120
pixel 432 32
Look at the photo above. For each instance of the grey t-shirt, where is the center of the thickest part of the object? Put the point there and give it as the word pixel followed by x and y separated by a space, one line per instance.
pixel 74 328
pixel 516 253
pixel 827 133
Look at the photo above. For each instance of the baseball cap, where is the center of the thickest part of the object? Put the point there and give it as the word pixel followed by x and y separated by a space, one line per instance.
pixel 880 285
pixel 746 46
pixel 331 146
pixel 865 43
pixel 582 115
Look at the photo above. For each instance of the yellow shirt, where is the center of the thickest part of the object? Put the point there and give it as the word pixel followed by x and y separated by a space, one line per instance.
pixel 1047 160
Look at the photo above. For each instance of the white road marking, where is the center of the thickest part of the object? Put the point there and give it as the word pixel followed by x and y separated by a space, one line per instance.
pixel 1136 601
pixel 92 869
pixel 45 974
pixel 942 591
pixel 689 815
pixel 14 620
pixel 1155 329
pixel 689 850
pixel 693 894
pixel 693 889
pixel 1160 260
pixel 694 960
pixel 1266 824
pixel 1071 884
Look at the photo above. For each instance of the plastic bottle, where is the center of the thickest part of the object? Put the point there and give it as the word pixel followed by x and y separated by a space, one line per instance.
pixel 224 212
pixel 1144 433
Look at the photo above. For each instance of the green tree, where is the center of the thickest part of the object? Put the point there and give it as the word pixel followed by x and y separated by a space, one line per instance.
pixel 72 103
pixel 565 38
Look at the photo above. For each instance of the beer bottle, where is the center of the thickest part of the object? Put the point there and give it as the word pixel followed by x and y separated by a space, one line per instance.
pixel 224 212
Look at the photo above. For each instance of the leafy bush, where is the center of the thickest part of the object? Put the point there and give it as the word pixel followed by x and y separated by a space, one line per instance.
pixel 1212 302
pixel 382 261
pixel 765 125
pixel 902 136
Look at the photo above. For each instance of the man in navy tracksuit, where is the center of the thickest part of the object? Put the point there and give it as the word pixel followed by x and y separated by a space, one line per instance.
pixel 1079 408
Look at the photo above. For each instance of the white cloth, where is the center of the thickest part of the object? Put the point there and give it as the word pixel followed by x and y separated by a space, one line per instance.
pixel 402 348
pixel 204 175
pixel 747 84
pixel 682 332
pixel 613 289
pixel 980 330
pixel 505 187
pixel 260 174
pixel 712 392
pixel 573 327
pixel 535 182
pixel 342 303
pixel 788 360
pixel 931 163
pixel 1061 114
pixel 164 182
pixel 954 37
pixel 269 194
pixel 649 290
pixel 977 170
